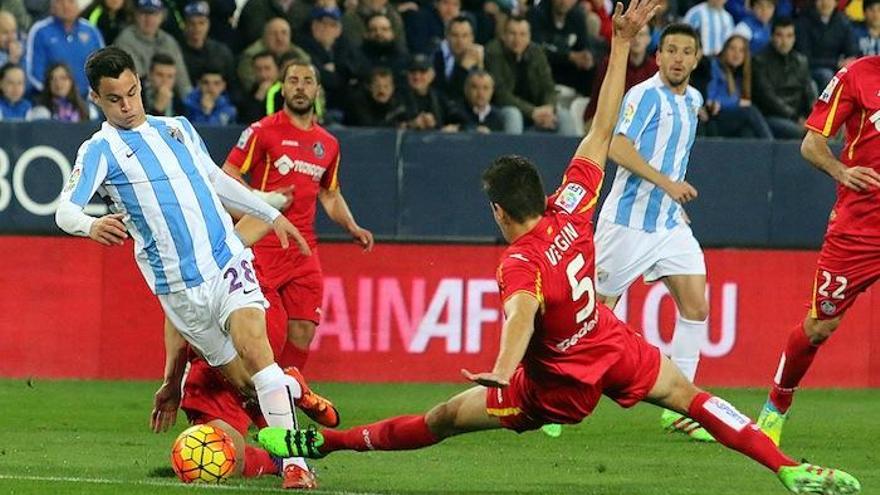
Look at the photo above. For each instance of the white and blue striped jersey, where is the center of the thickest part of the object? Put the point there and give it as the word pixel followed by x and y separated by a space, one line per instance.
pixel 159 175
pixel 662 125
pixel 714 25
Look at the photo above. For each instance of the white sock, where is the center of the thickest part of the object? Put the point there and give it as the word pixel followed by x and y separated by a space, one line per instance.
pixel 276 393
pixel 686 342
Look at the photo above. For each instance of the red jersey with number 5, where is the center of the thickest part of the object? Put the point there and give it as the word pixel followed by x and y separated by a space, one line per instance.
pixel 555 262
pixel 277 154
pixel 852 98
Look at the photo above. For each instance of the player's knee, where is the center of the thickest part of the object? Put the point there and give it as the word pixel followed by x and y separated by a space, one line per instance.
pixel 441 419
pixel 697 311
pixel 818 331
pixel 301 333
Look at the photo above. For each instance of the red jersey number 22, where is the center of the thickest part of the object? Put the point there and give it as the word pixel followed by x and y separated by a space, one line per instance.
pixel 581 287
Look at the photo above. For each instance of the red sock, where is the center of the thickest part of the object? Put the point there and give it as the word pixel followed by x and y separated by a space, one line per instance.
pixel 735 431
pixel 258 462
pixel 400 433
pixel 793 365
pixel 293 356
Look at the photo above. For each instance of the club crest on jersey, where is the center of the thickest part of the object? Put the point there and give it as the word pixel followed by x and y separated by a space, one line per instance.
pixel 243 139
pixel 176 134
pixel 318 149
pixel 569 198
pixel 828 308
pixel 74 178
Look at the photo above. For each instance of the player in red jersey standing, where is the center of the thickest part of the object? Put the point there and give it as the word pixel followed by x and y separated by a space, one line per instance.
pixel 289 153
pixel 560 350
pixel 849 262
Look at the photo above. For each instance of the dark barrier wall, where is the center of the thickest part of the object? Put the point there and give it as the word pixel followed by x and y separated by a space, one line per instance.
pixel 411 186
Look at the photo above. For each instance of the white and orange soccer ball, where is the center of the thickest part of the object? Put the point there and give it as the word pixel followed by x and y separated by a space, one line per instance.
pixel 203 454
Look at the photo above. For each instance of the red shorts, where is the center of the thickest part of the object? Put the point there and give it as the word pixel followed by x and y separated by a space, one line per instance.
pixel 847 266
pixel 529 403
pixel 298 280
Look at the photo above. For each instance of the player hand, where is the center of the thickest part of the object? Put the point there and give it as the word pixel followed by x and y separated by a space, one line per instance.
pixel 859 178
pixel 284 230
pixel 165 405
pixel 363 238
pixel 486 379
pixel 681 192
pixel 109 230
pixel 626 25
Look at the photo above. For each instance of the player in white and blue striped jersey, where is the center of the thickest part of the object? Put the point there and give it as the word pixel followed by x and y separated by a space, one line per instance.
pixel 642 229
pixel 169 195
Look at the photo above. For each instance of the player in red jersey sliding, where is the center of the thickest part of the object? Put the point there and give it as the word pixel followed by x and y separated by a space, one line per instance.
pixel 560 351
pixel 208 398
pixel 289 154
pixel 849 262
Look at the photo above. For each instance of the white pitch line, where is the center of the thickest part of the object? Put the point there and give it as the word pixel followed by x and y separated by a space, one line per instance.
pixel 170 484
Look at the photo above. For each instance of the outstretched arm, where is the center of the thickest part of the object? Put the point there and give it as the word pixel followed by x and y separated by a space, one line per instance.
pixel 594 146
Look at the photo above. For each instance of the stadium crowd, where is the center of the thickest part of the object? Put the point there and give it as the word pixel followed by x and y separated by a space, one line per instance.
pixel 451 65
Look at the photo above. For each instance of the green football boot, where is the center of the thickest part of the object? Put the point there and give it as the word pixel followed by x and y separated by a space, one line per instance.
pixel 672 421
pixel 771 421
pixel 809 478
pixel 282 442
pixel 552 430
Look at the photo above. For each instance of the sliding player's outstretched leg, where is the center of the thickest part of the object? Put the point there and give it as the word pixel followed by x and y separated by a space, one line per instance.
pixel 736 431
pixel 463 413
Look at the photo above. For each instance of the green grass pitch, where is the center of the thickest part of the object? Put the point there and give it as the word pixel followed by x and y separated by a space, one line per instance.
pixel 65 437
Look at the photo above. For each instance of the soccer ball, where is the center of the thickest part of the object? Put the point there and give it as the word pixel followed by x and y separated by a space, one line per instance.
pixel 203 454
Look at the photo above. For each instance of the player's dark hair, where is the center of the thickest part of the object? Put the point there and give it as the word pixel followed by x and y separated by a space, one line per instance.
pixel 781 22
pixel 513 183
pixel 682 29
pixel 298 62
pixel 107 62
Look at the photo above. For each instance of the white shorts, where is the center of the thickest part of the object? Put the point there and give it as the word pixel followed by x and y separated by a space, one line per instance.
pixel 622 254
pixel 200 313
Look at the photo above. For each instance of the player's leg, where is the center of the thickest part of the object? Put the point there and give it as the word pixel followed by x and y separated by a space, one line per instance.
pixel 464 413
pixel 691 329
pixel 736 431
pixel 302 297
pixel 300 334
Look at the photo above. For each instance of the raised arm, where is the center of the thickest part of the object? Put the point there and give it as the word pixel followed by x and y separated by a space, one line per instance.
pixel 594 146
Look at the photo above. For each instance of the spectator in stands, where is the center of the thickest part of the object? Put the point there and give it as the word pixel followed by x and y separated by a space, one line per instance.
pixel 253 105
pixel 199 50
pixel 144 39
pixel 867 34
pixel 276 39
pixel 335 60
pixel 559 27
pixel 63 37
pixel 640 67
pixel 784 91
pixel 426 24
pixel 380 49
pixel 11 50
pixel 824 36
pixel 256 15
pixel 354 22
pixel 18 11
pixel 13 104
pixel 60 99
pixel 731 90
pixel 457 56
pixel 158 92
pixel 109 16
pixel 209 104
pixel 377 105
pixel 523 80
pixel 713 23
pixel 426 107
pixel 755 26
pixel 666 16
pixel 479 114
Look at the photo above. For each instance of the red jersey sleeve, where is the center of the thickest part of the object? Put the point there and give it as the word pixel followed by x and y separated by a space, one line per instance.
pixel 516 273
pixel 330 179
pixel 580 187
pixel 248 151
pixel 835 104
